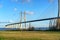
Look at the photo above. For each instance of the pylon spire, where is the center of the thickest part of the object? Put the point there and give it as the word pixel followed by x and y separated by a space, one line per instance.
pixel 25 18
pixel 58 20
pixel 20 19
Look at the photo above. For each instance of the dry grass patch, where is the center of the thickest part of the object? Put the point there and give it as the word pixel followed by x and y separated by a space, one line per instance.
pixel 29 35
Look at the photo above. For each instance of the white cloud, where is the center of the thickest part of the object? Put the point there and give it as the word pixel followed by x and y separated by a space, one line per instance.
pixel 11 21
pixel 15 9
pixel 26 1
pixel 5 21
pixel 21 1
pixel 30 12
pixel 51 1
pixel 14 0
pixel 1 5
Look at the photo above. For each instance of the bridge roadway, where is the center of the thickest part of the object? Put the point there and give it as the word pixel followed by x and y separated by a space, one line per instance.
pixel 35 20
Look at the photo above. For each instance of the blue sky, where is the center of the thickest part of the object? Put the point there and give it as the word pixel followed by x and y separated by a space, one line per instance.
pixel 36 9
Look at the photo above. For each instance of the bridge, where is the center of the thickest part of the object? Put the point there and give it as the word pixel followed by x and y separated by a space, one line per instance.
pixel 19 24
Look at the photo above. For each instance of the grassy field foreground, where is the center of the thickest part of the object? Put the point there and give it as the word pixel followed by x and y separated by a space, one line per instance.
pixel 29 35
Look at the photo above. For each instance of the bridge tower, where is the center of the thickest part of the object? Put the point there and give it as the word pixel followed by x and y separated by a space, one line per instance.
pixel 25 18
pixel 20 19
pixel 58 20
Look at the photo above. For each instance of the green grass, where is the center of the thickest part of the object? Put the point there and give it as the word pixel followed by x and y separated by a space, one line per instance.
pixel 29 35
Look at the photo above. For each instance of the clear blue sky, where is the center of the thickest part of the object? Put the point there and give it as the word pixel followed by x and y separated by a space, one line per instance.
pixel 36 9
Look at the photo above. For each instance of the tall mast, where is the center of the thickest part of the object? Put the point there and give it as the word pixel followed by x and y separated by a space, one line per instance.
pixel 20 19
pixel 25 18
pixel 58 20
pixel 58 7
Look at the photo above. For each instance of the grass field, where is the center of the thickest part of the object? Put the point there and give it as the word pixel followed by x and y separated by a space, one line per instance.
pixel 29 35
